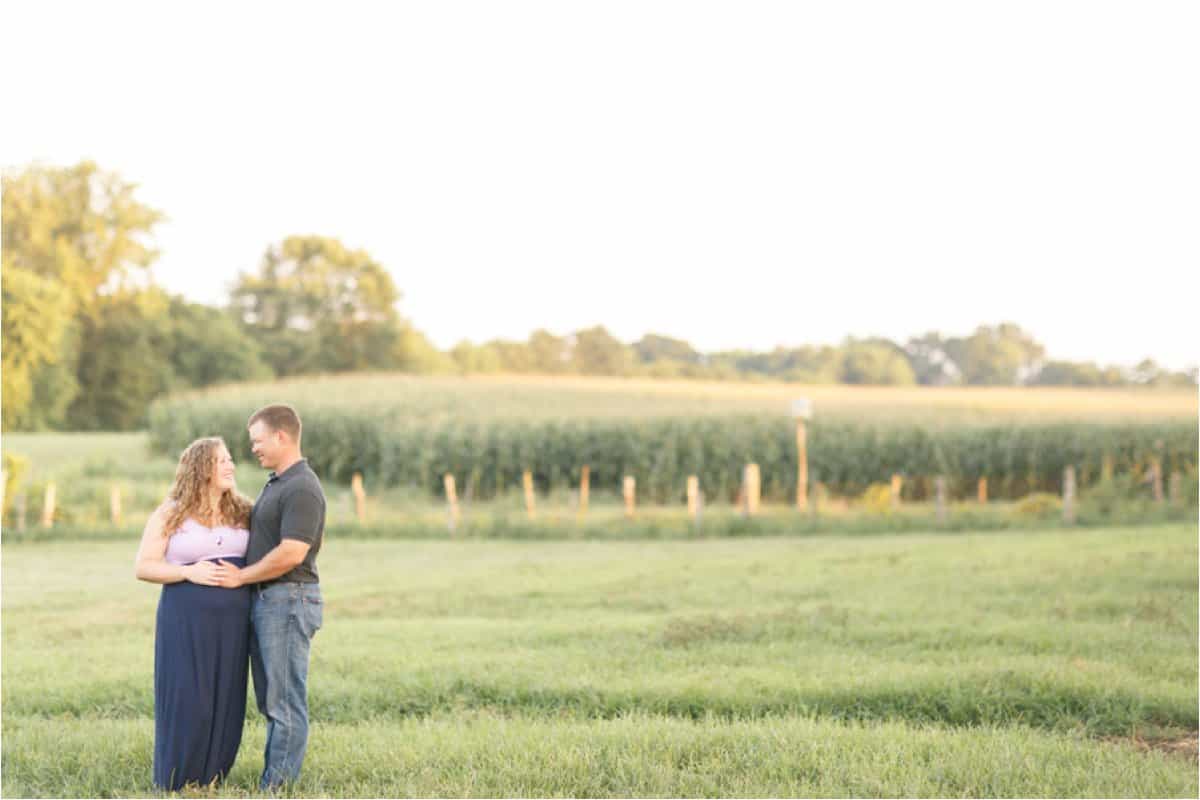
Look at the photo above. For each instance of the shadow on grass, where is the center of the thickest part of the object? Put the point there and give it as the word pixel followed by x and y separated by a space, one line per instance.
pixel 1002 698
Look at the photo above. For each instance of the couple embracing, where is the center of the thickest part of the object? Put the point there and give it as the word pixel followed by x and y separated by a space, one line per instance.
pixel 240 593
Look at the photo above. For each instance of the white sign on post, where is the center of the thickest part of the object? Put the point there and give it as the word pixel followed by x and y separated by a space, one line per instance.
pixel 802 408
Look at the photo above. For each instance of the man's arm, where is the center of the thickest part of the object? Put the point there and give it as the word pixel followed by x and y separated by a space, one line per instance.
pixel 302 513
pixel 288 554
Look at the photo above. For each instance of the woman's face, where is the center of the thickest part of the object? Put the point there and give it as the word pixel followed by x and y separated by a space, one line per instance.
pixel 223 477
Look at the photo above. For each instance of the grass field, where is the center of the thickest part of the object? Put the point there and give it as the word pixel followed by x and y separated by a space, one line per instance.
pixel 542 397
pixel 1006 664
pixel 116 454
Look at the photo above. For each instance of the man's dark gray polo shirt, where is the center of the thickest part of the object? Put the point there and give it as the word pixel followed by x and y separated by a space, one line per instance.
pixel 290 506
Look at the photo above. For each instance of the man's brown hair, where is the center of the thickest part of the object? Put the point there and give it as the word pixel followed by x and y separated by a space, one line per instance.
pixel 279 418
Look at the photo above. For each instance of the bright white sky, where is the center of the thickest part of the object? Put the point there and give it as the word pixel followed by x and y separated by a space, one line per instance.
pixel 736 174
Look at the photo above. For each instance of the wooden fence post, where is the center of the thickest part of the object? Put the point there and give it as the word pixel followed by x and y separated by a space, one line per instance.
pixel 360 497
pixel 1106 468
pixel 585 480
pixel 982 491
pixel 940 483
pixel 21 508
pixel 802 468
pixel 452 500
pixel 1069 494
pixel 114 504
pixel 527 483
pixel 1156 479
pixel 629 491
pixel 751 489
pixel 896 481
pixel 693 491
pixel 48 505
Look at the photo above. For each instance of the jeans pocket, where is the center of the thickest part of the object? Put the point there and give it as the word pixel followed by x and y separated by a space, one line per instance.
pixel 312 614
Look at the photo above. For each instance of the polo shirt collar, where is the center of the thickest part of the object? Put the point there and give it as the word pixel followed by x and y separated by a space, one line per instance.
pixel 292 470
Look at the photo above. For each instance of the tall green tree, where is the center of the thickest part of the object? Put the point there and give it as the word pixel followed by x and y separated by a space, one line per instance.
pixel 550 354
pixel 1001 355
pixel 124 361
pixel 1148 373
pixel 140 345
pixel 36 318
pixel 514 356
pixel 70 236
pixel 930 360
pixel 1068 373
pixel 809 364
pixel 80 226
pixel 55 386
pixel 206 346
pixel 813 364
pixel 652 348
pixel 317 305
pixel 415 353
pixel 875 362
pixel 472 359
pixel 598 352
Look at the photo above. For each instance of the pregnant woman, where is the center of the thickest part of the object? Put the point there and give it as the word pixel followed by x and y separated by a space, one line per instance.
pixel 202 637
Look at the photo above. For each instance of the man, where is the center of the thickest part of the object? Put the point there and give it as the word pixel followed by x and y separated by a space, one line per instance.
pixel 286 527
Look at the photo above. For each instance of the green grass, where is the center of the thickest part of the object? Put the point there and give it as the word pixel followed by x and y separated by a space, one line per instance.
pixel 490 755
pixel 504 519
pixel 1019 663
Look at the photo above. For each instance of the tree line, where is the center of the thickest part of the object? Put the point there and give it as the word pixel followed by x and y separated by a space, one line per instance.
pixel 89 339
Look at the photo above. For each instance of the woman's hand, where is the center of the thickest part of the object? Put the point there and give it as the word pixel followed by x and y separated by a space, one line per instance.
pixel 205 573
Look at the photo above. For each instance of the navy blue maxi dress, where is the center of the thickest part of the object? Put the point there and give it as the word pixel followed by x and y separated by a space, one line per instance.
pixel 201 661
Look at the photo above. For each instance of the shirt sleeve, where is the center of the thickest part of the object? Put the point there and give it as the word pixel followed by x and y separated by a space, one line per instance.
pixel 302 513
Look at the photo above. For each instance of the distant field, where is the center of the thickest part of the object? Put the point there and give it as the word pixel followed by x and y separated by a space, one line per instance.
pixel 51 453
pixel 1008 664
pixel 541 397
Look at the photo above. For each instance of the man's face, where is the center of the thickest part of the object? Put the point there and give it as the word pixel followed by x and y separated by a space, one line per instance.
pixel 266 444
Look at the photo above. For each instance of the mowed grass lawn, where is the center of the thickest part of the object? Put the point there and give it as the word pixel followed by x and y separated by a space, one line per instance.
pixel 1011 664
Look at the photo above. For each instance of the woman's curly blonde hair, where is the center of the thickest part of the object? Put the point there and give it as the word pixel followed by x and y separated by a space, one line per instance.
pixel 189 495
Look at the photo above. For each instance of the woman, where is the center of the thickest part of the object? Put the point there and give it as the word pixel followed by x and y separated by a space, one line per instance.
pixel 201 642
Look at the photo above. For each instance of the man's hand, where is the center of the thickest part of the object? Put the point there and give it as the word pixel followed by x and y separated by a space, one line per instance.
pixel 285 556
pixel 230 576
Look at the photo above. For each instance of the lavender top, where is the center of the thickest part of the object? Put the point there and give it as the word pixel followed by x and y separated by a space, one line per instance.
pixel 194 542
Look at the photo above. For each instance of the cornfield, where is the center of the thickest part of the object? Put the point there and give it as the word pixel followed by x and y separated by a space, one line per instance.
pixel 415 441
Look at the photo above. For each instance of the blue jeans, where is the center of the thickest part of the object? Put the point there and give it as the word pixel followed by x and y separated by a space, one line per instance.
pixel 284 617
